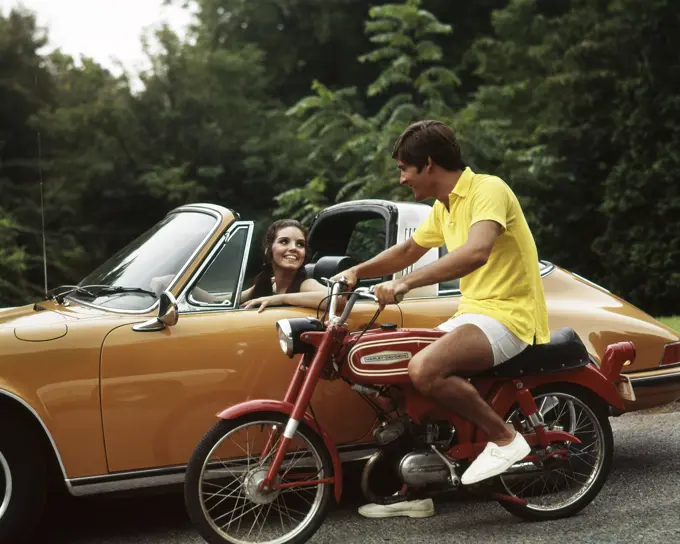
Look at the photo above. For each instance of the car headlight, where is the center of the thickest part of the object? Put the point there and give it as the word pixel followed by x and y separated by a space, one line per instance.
pixel 290 330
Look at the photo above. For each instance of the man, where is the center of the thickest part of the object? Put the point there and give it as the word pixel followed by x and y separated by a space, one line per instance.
pixel 502 309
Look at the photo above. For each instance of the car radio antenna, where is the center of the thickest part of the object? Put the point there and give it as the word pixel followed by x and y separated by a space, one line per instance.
pixel 42 202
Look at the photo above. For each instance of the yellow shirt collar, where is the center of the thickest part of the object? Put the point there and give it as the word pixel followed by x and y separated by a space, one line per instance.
pixel 462 187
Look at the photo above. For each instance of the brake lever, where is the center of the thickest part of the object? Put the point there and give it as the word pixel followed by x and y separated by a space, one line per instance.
pixel 329 282
pixel 369 294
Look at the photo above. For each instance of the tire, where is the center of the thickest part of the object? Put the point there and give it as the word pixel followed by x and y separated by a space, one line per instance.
pixel 23 480
pixel 192 484
pixel 599 417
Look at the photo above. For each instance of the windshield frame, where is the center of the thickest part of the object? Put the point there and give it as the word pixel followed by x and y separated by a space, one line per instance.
pixel 212 211
pixel 187 304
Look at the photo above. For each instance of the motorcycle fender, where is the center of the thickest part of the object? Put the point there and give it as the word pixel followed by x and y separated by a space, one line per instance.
pixel 253 406
pixel 504 395
pixel 588 377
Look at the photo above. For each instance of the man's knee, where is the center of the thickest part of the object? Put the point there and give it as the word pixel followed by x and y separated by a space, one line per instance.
pixel 422 378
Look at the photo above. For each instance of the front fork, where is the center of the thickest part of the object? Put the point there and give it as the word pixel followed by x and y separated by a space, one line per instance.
pixel 300 390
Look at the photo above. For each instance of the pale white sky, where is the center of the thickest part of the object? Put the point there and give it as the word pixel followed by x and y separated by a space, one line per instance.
pixel 106 30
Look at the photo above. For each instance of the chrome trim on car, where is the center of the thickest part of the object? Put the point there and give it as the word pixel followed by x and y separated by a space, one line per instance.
pixel 244 259
pixel 655 380
pixel 126 481
pixel 47 432
pixel 141 479
pixel 207 210
pixel 192 306
pixel 592 283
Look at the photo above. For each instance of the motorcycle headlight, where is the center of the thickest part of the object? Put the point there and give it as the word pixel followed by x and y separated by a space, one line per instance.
pixel 290 330
pixel 285 337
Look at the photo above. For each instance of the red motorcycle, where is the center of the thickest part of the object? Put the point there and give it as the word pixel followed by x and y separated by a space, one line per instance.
pixel 267 471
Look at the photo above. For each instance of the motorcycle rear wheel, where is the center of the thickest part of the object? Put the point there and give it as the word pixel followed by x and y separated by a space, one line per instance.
pixel 212 484
pixel 575 482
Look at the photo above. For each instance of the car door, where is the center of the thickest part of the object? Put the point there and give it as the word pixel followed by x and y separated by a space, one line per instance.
pixel 161 390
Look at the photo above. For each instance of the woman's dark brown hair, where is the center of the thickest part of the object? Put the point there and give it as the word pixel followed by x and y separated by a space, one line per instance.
pixel 262 285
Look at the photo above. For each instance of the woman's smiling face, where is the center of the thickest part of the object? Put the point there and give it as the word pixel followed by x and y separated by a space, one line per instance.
pixel 288 249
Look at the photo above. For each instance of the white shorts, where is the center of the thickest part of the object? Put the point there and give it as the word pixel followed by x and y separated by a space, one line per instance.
pixel 505 345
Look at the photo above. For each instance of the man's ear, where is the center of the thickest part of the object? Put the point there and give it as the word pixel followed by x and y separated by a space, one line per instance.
pixel 430 165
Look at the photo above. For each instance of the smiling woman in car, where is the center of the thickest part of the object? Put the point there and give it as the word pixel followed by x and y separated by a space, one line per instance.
pixel 283 279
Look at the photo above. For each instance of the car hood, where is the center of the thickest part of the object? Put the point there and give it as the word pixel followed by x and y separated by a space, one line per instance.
pixel 30 314
pixel 47 320
pixel 34 322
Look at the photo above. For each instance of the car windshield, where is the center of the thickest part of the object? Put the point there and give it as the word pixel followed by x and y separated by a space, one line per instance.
pixel 135 276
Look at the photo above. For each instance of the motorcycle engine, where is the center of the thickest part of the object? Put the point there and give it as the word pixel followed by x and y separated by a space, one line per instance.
pixel 399 438
pixel 419 469
pixel 389 433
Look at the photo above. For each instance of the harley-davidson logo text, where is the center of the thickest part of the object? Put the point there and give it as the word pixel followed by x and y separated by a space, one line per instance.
pixel 386 357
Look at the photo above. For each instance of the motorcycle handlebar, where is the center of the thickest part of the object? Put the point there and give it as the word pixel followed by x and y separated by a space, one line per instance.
pixel 341 286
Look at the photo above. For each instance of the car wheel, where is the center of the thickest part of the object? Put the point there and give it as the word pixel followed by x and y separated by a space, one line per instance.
pixel 23 481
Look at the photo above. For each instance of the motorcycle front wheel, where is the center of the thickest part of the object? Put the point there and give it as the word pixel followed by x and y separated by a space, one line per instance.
pixel 222 492
pixel 560 487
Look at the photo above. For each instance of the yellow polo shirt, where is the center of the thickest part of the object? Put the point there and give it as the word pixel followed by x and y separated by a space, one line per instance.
pixel 508 287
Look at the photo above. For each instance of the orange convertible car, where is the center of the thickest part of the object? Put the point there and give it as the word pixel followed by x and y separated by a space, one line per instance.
pixel 110 385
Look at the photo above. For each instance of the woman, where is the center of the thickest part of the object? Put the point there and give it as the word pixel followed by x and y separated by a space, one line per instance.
pixel 283 279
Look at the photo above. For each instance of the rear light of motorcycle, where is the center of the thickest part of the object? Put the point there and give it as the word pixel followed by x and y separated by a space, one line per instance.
pixel 671 355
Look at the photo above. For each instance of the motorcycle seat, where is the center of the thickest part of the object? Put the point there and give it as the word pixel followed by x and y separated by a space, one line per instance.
pixel 565 351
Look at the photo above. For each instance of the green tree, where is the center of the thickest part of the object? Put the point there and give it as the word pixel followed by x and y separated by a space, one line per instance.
pixel 301 40
pixel 307 40
pixel 25 87
pixel 212 131
pixel 580 115
pixel 640 244
pixel 93 168
pixel 350 151
pixel 517 122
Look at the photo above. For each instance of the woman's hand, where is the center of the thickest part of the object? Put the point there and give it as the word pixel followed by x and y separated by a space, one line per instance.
pixel 263 302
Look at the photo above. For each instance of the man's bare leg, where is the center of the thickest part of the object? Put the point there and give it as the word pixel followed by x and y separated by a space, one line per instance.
pixel 463 351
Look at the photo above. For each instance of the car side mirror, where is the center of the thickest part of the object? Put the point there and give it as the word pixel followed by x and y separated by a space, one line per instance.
pixel 168 315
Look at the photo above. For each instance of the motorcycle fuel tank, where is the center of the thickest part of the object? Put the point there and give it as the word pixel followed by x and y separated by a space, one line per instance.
pixel 383 356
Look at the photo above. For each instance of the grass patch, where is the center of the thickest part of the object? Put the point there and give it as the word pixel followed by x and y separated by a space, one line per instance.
pixel 672 321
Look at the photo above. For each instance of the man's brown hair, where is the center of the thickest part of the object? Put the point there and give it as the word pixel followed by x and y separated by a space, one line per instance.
pixel 429 139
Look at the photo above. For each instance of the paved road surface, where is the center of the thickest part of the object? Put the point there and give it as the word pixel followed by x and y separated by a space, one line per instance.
pixel 639 503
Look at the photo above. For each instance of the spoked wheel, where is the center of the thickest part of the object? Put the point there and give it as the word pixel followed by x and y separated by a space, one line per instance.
pixel 222 487
pixel 562 485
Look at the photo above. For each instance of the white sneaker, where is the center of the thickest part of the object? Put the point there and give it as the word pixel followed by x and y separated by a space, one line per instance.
pixel 495 460
pixel 413 509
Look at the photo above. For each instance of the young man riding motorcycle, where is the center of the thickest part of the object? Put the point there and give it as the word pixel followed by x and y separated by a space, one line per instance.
pixel 502 309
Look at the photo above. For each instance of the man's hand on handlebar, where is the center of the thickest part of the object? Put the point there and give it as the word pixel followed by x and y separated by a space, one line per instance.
pixel 390 292
pixel 349 276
